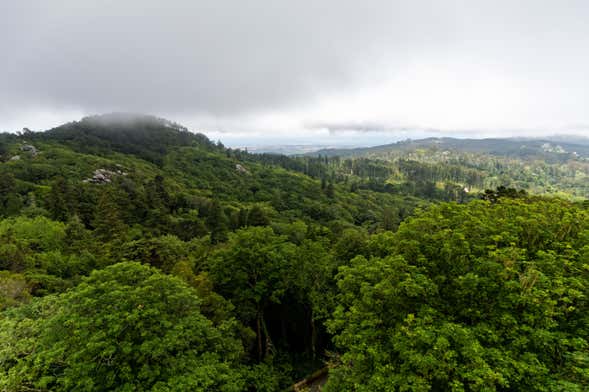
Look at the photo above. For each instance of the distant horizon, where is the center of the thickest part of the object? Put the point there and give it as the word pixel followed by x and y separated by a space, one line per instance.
pixel 364 136
pixel 302 72
pixel 367 139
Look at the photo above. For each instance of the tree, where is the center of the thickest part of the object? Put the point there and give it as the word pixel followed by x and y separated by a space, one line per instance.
pixel 188 225
pixel 10 202
pixel 59 200
pixel 477 297
pixel 160 252
pixel 217 222
pixel 107 218
pixel 32 209
pixel 388 219
pixel 252 271
pixel 257 217
pixel 159 202
pixel 312 285
pixel 157 195
pixel 330 190
pixel 351 242
pixel 77 237
pixel 13 289
pixel 127 327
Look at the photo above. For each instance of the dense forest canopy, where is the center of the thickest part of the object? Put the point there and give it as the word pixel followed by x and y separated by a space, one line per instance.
pixel 135 255
pixel 558 166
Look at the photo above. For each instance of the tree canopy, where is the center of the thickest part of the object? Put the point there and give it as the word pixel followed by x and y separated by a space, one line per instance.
pixel 127 327
pixel 472 297
pixel 135 255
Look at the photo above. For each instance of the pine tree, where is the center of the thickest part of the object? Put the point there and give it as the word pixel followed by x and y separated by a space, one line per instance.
pixel 217 222
pixel 10 202
pixel 107 218
pixel 257 217
pixel 59 200
pixel 329 190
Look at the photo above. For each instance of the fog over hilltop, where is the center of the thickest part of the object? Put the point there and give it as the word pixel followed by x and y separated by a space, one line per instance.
pixel 326 72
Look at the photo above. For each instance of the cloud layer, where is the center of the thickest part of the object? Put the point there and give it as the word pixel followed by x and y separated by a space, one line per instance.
pixel 274 67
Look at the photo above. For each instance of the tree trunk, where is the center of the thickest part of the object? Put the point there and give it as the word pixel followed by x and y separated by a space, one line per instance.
pixel 269 345
pixel 283 329
pixel 259 333
pixel 313 335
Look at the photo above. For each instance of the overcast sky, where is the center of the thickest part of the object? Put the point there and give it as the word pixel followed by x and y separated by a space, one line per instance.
pixel 272 71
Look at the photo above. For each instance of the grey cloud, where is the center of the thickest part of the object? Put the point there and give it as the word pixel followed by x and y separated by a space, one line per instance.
pixel 210 56
pixel 228 59
pixel 364 127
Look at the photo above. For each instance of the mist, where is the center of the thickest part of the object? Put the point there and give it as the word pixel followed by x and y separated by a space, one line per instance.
pixel 302 71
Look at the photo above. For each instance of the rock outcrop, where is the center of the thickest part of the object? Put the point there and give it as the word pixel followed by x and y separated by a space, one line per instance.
pixel 104 176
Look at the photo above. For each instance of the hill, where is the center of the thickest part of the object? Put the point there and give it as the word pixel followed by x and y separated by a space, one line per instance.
pixel 542 166
pixel 525 148
pixel 135 255
pixel 147 137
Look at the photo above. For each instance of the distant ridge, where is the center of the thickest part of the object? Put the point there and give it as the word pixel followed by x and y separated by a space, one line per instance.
pixel 506 147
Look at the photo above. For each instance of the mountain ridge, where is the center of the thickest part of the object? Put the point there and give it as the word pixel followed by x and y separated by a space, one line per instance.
pixel 148 137
pixel 494 146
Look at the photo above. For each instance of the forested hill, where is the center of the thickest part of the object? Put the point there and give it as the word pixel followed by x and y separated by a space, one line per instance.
pixel 552 166
pixel 526 148
pixel 135 255
pixel 147 137
pixel 128 153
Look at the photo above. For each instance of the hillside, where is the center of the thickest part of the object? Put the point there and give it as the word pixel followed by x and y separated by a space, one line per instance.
pixel 548 149
pixel 112 188
pixel 135 255
pixel 146 137
pixel 556 167
pixel 193 170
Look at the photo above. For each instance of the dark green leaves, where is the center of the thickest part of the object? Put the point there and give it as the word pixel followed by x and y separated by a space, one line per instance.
pixel 127 327
pixel 475 297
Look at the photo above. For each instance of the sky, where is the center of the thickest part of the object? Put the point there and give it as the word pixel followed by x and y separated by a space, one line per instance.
pixel 330 72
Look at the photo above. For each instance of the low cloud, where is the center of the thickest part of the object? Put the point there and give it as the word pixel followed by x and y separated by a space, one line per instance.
pixel 367 127
pixel 276 68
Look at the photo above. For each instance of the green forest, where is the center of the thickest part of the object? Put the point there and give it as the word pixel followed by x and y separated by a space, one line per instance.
pixel 138 256
pixel 557 166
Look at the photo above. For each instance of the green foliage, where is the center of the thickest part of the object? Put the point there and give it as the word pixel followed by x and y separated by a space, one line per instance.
pixel 39 233
pixel 252 270
pixel 147 137
pixel 13 289
pixel 108 223
pixel 257 217
pixel 161 252
pixel 58 204
pixel 253 267
pixel 127 327
pixel 238 257
pixel 450 169
pixel 10 200
pixel 475 297
pixel 217 222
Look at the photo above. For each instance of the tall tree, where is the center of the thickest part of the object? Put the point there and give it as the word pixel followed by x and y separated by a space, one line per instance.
pixel 107 218
pixel 10 202
pixel 59 200
pixel 217 222
pixel 252 271
pixel 257 217
pixel 478 297
pixel 127 327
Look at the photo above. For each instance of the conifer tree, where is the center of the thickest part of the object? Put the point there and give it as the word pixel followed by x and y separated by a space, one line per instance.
pixel 217 222
pixel 107 218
